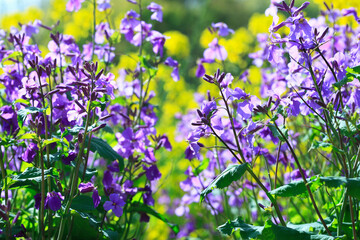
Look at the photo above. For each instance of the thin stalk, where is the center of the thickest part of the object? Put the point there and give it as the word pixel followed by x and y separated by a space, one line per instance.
pixel 42 215
pixel 304 179
pixel 277 164
pixel 248 168
pixel 352 218
pixel 4 177
pixel 232 124
pixel 75 172
pixel 42 204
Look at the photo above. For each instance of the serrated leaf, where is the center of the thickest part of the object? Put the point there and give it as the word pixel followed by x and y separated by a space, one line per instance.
pixel 289 190
pixel 268 232
pixel 247 231
pixel 30 177
pixel 314 227
pixel 298 187
pixel 105 150
pixel 142 208
pixel 231 174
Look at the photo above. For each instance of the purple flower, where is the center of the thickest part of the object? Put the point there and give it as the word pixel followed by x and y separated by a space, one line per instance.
pixel 351 11
pixel 37 198
pixel 149 156
pixel 128 188
pixel 142 31
pixel 53 200
pixel 132 1
pixel 227 80
pixel 147 196
pixel 114 166
pixel 215 51
pixel 157 40
pixel 8 119
pixel 164 142
pixel 128 24
pixel 74 5
pixel 71 157
pixel 107 180
pixel 31 28
pixel 86 187
pixel 103 5
pixel 103 31
pixel 157 11
pixel 130 142
pixel 222 29
pixel 96 198
pixel 208 107
pixel 175 65
pixel 152 172
pixel 200 71
pixel 115 204
pixel 30 153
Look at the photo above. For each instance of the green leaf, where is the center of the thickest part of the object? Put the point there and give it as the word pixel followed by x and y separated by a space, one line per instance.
pixel 202 166
pixel 230 174
pixel 314 227
pixel 27 136
pixel 112 235
pixel 100 104
pixel 115 38
pixel 268 232
pixel 145 64
pixel 142 208
pixel 247 231
pixel 92 219
pixel 105 150
pixel 30 177
pixel 289 190
pixel 276 133
pixel 13 55
pixel 83 203
pixel 21 100
pixel 298 187
pixel 351 74
pixel 89 173
pixel 324 146
pixel 50 141
pixel 53 157
pixel 22 113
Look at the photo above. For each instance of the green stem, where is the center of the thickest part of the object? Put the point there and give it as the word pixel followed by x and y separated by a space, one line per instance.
pixel 75 172
pixel 304 179
pixel 248 168
pixel 4 177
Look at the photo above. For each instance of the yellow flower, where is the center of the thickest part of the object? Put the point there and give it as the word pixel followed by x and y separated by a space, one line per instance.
pixel 10 20
pixel 205 38
pixel 177 45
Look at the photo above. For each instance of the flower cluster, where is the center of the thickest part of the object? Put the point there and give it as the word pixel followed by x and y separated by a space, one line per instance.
pixel 310 73
pixel 74 138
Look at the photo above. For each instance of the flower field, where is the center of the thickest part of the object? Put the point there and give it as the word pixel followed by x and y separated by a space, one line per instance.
pixel 137 119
